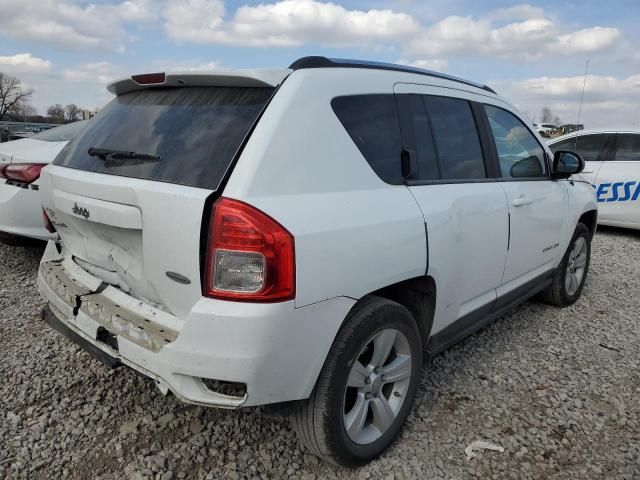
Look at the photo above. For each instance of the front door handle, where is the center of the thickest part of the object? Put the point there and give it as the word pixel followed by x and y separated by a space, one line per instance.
pixel 520 201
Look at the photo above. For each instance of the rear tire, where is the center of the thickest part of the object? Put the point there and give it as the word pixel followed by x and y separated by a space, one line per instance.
pixel 355 411
pixel 569 279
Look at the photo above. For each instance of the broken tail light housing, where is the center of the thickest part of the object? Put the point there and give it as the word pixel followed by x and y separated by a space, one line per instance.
pixel 48 224
pixel 250 256
pixel 22 172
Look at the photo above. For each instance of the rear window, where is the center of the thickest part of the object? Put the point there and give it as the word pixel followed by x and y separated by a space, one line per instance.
pixel 372 123
pixel 195 132
pixel 456 137
pixel 63 133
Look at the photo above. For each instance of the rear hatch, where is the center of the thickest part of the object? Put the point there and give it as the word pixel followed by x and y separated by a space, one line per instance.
pixel 129 193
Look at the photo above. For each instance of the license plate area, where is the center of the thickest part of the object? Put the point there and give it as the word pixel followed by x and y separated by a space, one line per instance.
pixel 108 338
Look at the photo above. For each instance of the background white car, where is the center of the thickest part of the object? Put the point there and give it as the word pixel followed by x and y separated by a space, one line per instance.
pixel 612 158
pixel 20 165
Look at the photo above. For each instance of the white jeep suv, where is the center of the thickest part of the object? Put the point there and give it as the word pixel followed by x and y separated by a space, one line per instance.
pixel 296 237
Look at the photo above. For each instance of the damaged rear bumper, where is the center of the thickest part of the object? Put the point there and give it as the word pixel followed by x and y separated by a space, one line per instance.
pixel 274 351
pixel 47 316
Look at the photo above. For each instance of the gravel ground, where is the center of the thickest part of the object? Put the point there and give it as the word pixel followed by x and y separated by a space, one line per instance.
pixel 558 389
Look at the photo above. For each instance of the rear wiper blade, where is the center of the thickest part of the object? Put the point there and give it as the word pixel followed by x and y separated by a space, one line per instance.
pixel 111 154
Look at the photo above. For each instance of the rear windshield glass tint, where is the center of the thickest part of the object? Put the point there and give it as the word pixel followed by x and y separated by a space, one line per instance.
pixel 63 133
pixel 195 132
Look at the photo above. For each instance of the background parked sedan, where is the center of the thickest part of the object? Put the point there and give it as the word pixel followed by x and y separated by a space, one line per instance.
pixel 612 159
pixel 20 165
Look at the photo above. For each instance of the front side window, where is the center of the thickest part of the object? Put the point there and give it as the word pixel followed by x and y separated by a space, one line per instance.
pixel 628 147
pixel 372 123
pixel 456 138
pixel 519 153
pixel 589 147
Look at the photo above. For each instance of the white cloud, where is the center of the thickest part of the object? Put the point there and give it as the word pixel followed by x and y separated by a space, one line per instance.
pixel 284 23
pixel 71 24
pixel 437 64
pixel 139 11
pixel 23 63
pixel 588 40
pixel 530 35
pixel 98 72
pixel 608 100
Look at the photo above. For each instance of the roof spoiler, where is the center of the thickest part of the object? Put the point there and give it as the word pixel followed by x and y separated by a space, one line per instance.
pixel 219 78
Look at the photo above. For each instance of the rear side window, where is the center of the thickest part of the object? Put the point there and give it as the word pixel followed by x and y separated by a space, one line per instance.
pixel 519 153
pixel 427 160
pixel 456 138
pixel 588 146
pixel 372 123
pixel 627 147
pixel 195 132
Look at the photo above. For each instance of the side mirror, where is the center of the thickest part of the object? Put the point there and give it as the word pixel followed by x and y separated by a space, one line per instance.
pixel 566 163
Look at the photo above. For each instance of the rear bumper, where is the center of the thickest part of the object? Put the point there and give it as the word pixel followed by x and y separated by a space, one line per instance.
pixel 55 323
pixel 276 350
pixel 21 213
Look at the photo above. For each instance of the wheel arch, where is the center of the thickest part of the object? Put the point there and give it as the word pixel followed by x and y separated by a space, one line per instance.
pixel 590 220
pixel 418 295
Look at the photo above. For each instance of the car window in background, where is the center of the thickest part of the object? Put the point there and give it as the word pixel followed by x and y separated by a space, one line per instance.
pixel 588 146
pixel 456 138
pixel 63 133
pixel 519 152
pixel 372 123
pixel 627 147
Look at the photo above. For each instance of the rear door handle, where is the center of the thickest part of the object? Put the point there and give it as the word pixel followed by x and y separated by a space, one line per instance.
pixel 520 201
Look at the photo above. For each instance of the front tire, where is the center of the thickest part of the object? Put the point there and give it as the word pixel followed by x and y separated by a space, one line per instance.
pixel 571 274
pixel 366 387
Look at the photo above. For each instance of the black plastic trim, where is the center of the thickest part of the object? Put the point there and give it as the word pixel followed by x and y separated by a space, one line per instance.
pixel 483 316
pixel 487 142
pixel 324 62
pixel 49 317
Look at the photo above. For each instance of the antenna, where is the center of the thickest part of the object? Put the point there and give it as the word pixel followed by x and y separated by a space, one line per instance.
pixel 584 84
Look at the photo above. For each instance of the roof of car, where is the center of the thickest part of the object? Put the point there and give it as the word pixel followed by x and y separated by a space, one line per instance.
pixel 591 131
pixel 266 77
pixel 324 62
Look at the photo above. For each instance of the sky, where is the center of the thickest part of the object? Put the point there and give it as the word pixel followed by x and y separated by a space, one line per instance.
pixel 533 54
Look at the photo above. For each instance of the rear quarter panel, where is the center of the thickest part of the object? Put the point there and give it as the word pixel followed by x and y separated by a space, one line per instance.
pixel 353 232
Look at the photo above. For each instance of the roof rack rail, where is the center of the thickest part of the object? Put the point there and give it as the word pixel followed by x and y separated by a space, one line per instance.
pixel 324 62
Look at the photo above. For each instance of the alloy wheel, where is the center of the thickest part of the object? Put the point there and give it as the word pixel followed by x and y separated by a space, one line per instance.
pixel 377 386
pixel 576 264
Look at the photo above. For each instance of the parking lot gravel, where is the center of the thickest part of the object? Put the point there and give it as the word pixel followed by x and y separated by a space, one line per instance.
pixel 558 389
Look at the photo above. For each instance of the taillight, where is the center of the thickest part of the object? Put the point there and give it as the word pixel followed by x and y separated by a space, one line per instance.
pixel 47 222
pixel 23 172
pixel 250 256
